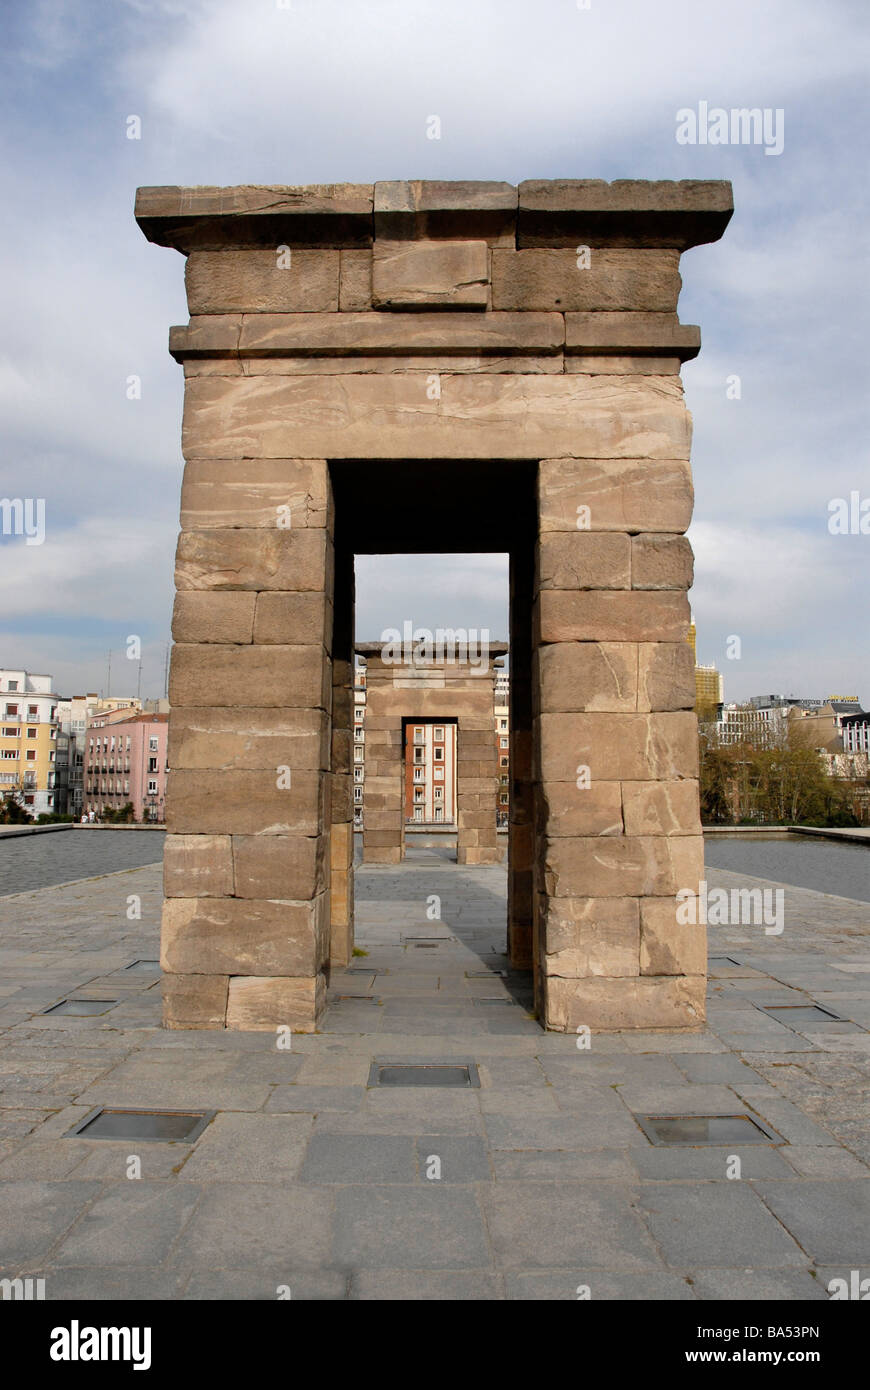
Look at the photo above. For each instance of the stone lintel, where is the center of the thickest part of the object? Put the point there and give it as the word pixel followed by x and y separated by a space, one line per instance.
pixel 355 334
pixel 541 212
pixel 627 212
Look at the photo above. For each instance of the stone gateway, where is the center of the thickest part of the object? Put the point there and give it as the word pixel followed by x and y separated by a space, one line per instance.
pixel 350 349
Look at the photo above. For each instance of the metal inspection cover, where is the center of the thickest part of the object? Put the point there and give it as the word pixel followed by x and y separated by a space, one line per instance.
pixel 143 966
pixel 493 999
pixel 705 1130
pixel 791 1014
pixel 484 974
pixel 82 1008
pixel 723 960
pixel 452 1073
pixel 168 1126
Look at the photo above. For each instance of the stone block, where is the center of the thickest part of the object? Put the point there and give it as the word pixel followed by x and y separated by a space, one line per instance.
pixel 626 212
pixel 566 809
pixel 261 1005
pixel 206 802
pixel 433 274
pixel 279 866
pixel 606 1005
pixel 197 866
pixel 617 747
pixel 668 947
pixel 665 676
pixel 642 335
pixel 292 620
pixel 565 615
pixel 262 280
pixel 231 936
pixel 254 558
pixel 634 280
pixel 584 560
pixel 591 936
pixel 275 494
pixel 194 1001
pixel 580 676
pixel 635 495
pixel 281 677
pixel 390 416
pixel 406 208
pixel 417 338
pixel 607 866
pixel 661 808
pixel 243 738
pixel 213 617
pixel 661 562
pixel 355 283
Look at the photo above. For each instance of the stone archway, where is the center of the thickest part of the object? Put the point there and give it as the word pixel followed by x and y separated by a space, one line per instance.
pixel 390 327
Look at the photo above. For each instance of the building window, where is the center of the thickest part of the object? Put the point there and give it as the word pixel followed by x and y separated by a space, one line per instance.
pixel 419 793
pixel 13 685
pixel 10 710
pixel 31 733
pixel 33 711
pixel 10 733
pixel 502 723
pixel 439 793
pixel 357 774
pixel 439 813
pixel 419 773
pixel 439 773
pixel 152 744
pixel 503 799
pixel 418 755
pixel 418 813
pixel 438 734
pixel 152 786
pixel 357 755
pixel 31 755
pixel 358 794
pixel 438 755
pixel 418 736
pixel 503 743
pixel 152 764
pixel 504 762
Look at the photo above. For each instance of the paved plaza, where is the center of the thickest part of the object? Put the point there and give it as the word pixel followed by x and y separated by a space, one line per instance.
pixel 309 1179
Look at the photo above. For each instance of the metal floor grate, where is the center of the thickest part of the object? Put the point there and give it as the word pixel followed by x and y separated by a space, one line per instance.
pixel 705 1130
pixel 447 1073
pixel 82 1008
pixel 168 1126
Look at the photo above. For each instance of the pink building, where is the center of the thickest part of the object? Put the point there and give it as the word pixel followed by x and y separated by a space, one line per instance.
pixel 125 761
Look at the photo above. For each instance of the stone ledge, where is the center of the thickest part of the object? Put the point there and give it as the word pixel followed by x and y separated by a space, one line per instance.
pixel 627 212
pixel 644 334
pixel 366 333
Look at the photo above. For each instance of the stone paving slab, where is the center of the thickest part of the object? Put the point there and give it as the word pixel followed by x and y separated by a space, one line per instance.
pixel 535 1184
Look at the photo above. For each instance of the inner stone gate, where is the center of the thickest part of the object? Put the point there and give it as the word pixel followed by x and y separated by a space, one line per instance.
pixel 351 347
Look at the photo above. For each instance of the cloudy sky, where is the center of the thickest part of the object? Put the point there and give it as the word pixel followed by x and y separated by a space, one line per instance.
pixel 312 91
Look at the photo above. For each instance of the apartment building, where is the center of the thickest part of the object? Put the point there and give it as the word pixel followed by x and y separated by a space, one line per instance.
pixel 28 740
pixel 125 761
pixel 430 772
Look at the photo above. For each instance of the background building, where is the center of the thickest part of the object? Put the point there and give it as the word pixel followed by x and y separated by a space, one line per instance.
pixel 125 762
pixel 28 740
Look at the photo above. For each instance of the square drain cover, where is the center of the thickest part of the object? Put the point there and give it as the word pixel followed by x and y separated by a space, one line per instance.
pixel 493 999
pixel 424 1074
pixel 167 1125
pixel 723 960
pixel 82 1008
pixel 707 1129
pixel 484 974
pixel 143 966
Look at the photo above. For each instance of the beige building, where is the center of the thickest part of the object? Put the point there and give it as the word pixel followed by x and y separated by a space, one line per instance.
pixel 28 740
